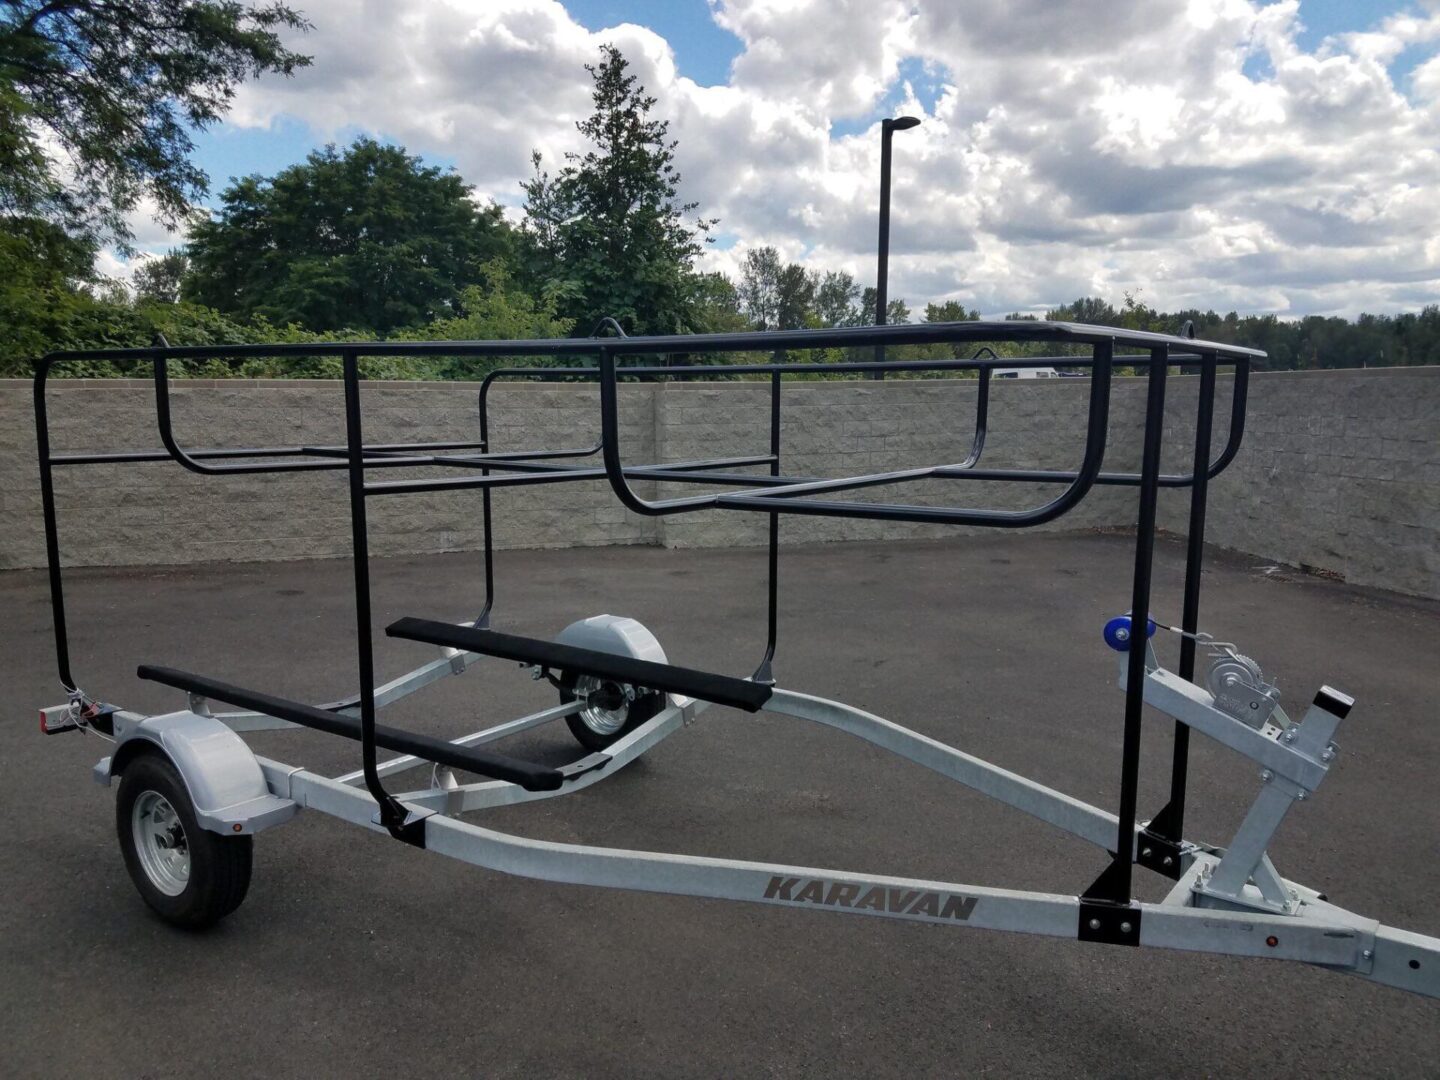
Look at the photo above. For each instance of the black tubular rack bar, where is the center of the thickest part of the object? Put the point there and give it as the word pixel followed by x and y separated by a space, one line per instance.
pixel 474 759
pixel 720 689
pixel 771 492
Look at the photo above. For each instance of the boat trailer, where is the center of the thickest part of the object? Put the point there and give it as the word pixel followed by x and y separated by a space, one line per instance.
pixel 192 794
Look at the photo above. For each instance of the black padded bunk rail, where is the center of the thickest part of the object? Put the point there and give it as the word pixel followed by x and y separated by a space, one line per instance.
pixel 528 775
pixel 719 689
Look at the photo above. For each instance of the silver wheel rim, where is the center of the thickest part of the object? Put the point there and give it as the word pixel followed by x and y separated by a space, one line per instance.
pixel 601 721
pixel 160 843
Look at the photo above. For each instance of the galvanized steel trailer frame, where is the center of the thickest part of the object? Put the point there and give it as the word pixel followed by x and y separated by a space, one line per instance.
pixel 1224 900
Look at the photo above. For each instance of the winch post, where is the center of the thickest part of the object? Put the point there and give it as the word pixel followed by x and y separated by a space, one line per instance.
pixel 1311 737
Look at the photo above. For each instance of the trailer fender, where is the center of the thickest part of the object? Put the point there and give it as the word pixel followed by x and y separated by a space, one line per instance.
pixel 220 772
pixel 621 636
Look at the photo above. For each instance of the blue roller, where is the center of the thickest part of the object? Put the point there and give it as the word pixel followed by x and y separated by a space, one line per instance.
pixel 1117 632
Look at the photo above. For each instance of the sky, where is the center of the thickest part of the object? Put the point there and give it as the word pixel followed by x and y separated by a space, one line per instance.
pixel 1230 154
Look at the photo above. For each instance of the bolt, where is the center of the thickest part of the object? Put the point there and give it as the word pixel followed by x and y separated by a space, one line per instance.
pixel 1300 796
pixel 1327 757
pixel 1094 924
pixel 1266 775
pixel 1145 852
pixel 1290 735
pixel 1368 954
pixel 1125 928
pixel 1167 861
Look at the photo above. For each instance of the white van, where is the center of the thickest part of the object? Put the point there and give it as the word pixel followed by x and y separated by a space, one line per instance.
pixel 1025 373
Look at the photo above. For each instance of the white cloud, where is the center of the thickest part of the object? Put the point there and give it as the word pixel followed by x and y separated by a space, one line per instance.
pixel 1192 149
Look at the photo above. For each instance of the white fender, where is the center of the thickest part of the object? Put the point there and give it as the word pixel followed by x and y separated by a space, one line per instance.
pixel 620 636
pixel 220 772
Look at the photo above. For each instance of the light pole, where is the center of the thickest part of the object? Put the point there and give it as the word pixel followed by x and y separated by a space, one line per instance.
pixel 888 127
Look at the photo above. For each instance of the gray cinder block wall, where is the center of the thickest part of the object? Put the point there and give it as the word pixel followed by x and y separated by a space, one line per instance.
pixel 151 513
pixel 1340 470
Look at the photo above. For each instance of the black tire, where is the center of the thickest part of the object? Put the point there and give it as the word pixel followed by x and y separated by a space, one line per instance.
pixel 218 866
pixel 637 712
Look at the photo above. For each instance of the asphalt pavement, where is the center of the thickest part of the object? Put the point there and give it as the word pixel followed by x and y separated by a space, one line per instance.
pixel 357 956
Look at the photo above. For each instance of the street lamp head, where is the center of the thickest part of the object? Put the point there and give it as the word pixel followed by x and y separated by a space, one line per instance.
pixel 903 123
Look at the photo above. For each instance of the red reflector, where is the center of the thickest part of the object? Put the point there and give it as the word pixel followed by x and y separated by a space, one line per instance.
pixel 237 827
pixel 43 729
pixel 1272 941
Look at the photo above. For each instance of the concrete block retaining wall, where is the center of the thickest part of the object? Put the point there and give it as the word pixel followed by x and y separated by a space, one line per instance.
pixel 1340 470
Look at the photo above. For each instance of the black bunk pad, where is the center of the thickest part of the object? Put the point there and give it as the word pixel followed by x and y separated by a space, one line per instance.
pixel 530 776
pixel 721 689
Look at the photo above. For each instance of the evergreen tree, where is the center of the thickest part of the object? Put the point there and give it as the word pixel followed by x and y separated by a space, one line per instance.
pixel 607 235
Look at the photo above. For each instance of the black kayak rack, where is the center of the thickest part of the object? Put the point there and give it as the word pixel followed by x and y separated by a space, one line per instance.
pixel 369 467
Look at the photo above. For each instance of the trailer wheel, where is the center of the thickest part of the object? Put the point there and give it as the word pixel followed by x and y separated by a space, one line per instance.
pixel 189 876
pixel 616 709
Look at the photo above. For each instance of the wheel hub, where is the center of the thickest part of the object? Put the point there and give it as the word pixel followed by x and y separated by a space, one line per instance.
pixel 160 843
pixel 608 705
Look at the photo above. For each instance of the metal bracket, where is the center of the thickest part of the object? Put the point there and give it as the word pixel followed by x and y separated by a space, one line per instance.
pixel 1106 914
pixel 403 822
pixel 1109 924
pixel 1155 852
pixel 589 763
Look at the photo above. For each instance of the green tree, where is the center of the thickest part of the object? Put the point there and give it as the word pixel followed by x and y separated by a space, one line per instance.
pixel 42 273
pixel 1087 309
pixel 896 311
pixel 950 311
pixel 947 311
pixel 759 289
pixel 795 308
pixel 494 311
pixel 608 235
pixel 776 295
pixel 117 89
pixel 158 280
pixel 717 305
pixel 368 239
pixel 837 300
